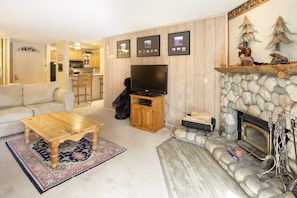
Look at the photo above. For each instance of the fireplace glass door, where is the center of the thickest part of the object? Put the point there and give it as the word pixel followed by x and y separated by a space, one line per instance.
pixel 254 135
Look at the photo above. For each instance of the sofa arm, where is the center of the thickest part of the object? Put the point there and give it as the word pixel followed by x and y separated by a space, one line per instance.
pixel 65 97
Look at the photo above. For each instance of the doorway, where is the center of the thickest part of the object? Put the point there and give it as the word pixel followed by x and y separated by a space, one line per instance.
pixel 27 66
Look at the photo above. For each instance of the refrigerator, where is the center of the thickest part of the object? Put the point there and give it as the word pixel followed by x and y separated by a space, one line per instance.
pixel 53 71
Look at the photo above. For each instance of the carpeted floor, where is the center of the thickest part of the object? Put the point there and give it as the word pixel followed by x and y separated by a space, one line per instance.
pixel 190 171
pixel 74 159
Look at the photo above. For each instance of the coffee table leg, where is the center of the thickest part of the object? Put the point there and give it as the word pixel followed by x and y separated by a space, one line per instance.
pixel 54 154
pixel 95 138
pixel 27 135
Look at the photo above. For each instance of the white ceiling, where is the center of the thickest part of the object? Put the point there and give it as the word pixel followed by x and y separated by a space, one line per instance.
pixel 89 21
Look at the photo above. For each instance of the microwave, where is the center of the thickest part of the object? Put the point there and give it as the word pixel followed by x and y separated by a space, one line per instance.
pixel 76 64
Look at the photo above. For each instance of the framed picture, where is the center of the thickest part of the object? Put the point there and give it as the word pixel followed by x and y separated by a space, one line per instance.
pixel 179 43
pixel 123 49
pixel 148 46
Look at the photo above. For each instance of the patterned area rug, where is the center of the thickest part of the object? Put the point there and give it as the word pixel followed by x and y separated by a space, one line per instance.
pixel 74 159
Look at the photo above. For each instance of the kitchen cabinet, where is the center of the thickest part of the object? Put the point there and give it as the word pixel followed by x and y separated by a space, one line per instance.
pixel 75 54
pixel 87 60
pixel 147 113
pixel 95 60
pixel 96 87
pixel 53 56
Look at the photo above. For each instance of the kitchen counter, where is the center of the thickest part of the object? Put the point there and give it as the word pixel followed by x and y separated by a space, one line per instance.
pixel 97 85
pixel 98 74
pixel 94 74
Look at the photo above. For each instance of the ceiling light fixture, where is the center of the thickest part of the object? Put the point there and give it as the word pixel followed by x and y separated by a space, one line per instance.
pixel 77 46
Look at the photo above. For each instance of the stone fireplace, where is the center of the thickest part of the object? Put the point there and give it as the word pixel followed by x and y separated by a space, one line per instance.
pixel 261 96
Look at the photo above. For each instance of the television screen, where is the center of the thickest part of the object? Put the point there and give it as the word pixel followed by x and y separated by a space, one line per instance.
pixel 149 79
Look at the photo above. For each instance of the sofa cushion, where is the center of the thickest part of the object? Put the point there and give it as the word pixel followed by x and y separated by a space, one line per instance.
pixel 10 128
pixel 14 114
pixel 46 108
pixel 11 95
pixel 39 93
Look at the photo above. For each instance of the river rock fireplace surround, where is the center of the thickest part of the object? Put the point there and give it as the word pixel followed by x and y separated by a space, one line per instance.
pixel 261 96
pixel 258 95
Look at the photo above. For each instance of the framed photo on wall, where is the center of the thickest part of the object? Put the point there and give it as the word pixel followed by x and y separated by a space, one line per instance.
pixel 123 49
pixel 148 46
pixel 179 43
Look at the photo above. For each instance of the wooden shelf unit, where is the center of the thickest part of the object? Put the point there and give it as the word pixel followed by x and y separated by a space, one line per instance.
pixel 147 113
pixel 280 70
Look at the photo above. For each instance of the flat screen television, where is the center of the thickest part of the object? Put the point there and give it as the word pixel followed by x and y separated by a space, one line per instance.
pixel 149 80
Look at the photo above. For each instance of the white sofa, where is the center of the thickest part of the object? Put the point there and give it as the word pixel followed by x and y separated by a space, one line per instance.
pixel 19 101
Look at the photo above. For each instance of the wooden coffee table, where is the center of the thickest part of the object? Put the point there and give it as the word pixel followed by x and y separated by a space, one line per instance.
pixel 58 127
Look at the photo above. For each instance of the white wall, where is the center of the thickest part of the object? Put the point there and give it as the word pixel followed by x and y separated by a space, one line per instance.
pixel 263 18
pixel 62 50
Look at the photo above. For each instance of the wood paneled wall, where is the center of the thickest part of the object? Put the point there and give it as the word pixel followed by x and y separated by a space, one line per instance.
pixel 193 83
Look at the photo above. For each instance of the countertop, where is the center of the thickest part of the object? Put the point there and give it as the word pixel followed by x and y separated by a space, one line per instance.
pixel 75 75
pixel 97 74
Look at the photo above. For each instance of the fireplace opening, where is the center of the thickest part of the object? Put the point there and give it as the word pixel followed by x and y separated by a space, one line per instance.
pixel 253 135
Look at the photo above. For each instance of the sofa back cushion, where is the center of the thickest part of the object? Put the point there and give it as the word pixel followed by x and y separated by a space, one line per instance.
pixel 39 93
pixel 11 95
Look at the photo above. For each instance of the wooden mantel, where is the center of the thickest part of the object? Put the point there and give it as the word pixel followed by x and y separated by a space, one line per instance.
pixel 280 70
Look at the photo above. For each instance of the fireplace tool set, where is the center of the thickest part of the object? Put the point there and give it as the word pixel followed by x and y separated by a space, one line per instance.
pixel 279 153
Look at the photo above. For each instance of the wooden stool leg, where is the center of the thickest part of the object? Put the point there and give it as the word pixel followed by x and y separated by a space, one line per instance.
pixel 91 93
pixel 85 94
pixel 77 91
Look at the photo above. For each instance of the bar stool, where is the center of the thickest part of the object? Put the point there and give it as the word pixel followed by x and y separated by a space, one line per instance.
pixel 83 86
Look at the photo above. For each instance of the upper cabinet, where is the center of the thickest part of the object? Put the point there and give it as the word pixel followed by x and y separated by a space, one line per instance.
pixel 75 54
pixel 53 55
pixel 91 60
pixel 87 60
pixel 95 60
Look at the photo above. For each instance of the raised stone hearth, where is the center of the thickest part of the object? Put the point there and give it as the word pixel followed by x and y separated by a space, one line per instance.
pixel 245 171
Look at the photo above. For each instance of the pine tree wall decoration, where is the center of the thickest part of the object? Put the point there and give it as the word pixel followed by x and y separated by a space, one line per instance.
pixel 279 35
pixel 247 33
pixel 246 38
